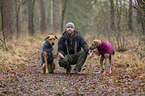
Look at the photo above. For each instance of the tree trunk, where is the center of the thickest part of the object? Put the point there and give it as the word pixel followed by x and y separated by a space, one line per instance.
pixel 56 17
pixel 143 22
pixel 7 23
pixel 64 2
pixel 138 18
pixel 141 3
pixel 3 33
pixel 51 14
pixel 112 25
pixel 17 9
pixel 130 21
pixel 43 19
pixel 125 14
pixel 30 17
pixel 60 15
pixel 141 9
pixel 118 31
pixel 119 12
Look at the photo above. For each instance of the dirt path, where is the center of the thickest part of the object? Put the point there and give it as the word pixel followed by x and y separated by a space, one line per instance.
pixel 28 81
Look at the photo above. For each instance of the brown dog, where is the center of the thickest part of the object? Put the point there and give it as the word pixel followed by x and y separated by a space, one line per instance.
pixel 104 49
pixel 48 54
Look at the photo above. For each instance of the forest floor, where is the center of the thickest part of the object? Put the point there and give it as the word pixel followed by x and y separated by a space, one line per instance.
pixel 20 74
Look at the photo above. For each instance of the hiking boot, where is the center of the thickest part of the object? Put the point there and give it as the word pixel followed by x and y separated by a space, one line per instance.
pixel 68 70
pixel 51 72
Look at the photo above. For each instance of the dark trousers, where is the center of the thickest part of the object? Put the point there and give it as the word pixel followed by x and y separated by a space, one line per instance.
pixel 78 60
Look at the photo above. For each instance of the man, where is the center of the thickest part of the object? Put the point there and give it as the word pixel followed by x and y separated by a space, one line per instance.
pixel 70 51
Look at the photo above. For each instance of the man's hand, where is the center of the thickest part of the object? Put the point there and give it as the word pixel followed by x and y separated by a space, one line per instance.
pixel 89 52
pixel 60 55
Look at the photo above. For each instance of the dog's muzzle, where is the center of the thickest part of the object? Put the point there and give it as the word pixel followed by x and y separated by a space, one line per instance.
pixel 52 43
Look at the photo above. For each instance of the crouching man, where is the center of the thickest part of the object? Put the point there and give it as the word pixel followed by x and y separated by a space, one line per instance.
pixel 70 51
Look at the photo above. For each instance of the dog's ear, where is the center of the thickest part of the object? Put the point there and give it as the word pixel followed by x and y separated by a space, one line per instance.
pixel 95 41
pixel 55 37
pixel 47 37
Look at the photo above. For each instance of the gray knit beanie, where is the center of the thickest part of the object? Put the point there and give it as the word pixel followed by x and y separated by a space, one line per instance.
pixel 69 24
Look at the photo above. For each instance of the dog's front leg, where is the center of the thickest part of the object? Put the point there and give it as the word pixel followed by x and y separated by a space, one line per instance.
pixel 53 54
pixel 106 56
pixel 110 63
pixel 47 66
pixel 105 68
pixel 45 58
pixel 101 62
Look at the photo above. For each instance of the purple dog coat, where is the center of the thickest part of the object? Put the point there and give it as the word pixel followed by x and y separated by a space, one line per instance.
pixel 105 48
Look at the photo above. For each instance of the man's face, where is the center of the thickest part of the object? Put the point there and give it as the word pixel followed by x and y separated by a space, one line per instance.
pixel 70 30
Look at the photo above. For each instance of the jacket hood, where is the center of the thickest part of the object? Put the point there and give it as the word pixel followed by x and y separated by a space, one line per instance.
pixel 75 34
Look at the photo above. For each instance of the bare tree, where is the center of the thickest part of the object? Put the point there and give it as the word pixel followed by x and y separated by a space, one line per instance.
pixel 60 15
pixel 56 13
pixel 141 9
pixel 17 9
pixel 130 21
pixel 43 19
pixel 141 4
pixel 18 4
pixel 119 13
pixel 112 25
pixel 64 2
pixel 51 14
pixel 2 40
pixel 30 4
pixel 6 9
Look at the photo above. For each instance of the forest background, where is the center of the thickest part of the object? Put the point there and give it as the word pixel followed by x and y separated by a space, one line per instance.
pixel 26 22
pixel 107 17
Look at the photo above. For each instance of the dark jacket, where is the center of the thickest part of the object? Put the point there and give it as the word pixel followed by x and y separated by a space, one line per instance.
pixel 81 43
pixel 48 48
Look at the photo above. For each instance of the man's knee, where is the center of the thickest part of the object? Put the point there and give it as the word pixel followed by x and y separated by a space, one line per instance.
pixel 63 62
pixel 83 54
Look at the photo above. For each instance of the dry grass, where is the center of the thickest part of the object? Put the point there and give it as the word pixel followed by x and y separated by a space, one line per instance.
pixel 17 51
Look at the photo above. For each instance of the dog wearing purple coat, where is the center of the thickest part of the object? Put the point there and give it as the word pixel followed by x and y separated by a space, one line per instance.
pixel 106 51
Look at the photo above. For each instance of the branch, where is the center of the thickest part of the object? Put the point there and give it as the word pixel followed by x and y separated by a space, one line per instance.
pixel 143 1
pixel 23 2
pixel 137 9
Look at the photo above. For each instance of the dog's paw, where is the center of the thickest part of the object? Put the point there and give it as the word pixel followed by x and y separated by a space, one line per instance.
pixel 47 71
pixel 42 72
